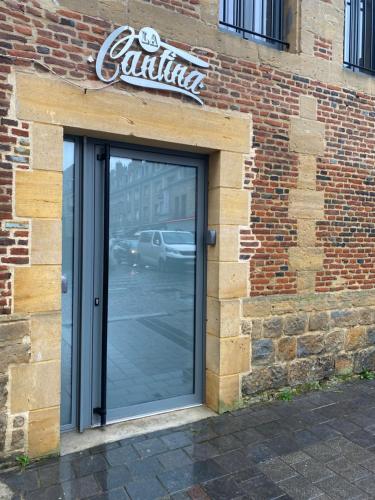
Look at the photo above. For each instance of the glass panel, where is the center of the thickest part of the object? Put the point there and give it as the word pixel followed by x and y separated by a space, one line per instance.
pixel 151 289
pixel 67 283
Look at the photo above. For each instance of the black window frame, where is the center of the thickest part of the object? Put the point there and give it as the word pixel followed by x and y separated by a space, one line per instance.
pixel 255 20
pixel 359 37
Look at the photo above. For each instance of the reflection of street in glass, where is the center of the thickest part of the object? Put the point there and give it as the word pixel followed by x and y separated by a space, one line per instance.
pixel 151 334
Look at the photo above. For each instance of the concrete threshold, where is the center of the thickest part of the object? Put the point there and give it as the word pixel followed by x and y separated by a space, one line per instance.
pixel 77 441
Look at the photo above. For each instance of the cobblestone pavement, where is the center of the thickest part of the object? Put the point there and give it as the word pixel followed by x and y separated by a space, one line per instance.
pixel 320 445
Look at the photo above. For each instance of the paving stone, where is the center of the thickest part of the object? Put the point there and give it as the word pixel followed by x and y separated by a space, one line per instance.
pixel 324 432
pixel 150 447
pixel 147 467
pixel 337 487
pixel 226 443
pixel 260 452
pixel 55 474
pixel 223 488
pixel 294 458
pixel 122 455
pixel 114 477
pixel 22 481
pixel 277 470
pixel 183 477
pixel 116 494
pixel 104 447
pixel 347 469
pixel 50 493
pixel 367 484
pixel 249 436
pixel 88 465
pixel 321 452
pixel 363 438
pixel 297 487
pixel 201 451
pixel 305 438
pixel 344 426
pixel 177 439
pixel 313 470
pixel 81 487
pixel 170 459
pixel 261 488
pixel 283 444
pixel 145 490
pixel 234 461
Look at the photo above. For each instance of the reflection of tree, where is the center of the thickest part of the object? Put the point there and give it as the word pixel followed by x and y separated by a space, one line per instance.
pixel 150 195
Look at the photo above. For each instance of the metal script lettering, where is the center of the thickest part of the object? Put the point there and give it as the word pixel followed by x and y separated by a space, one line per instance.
pixel 146 68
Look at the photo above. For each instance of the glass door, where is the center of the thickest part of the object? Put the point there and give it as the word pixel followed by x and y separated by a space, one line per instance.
pixel 150 339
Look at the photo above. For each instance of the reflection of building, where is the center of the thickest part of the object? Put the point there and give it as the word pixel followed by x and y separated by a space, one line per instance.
pixel 151 195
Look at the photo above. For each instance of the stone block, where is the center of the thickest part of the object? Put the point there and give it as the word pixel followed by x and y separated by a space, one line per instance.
pixel 222 393
pixel 14 344
pixel 27 387
pixel 356 338
pixel 344 364
pixel 366 316
pixel 227 280
pixel 223 317
pixel 310 344
pixel 46 147
pixel 226 170
pixel 39 194
pixel 295 324
pixel 264 378
pixel 306 282
pixel 228 207
pixel 44 232
pixel 121 115
pixel 307 107
pixel 263 351
pixel 306 136
pixel 37 289
pixel 370 333
pixel 44 432
pixel 45 336
pixel 227 244
pixel 344 317
pixel 305 259
pixel 306 172
pixel 364 360
pixel 318 321
pixel 246 327
pixel 306 233
pixel 227 356
pixel 273 327
pixel 306 204
pixel 287 349
pixel 306 370
pixel 334 341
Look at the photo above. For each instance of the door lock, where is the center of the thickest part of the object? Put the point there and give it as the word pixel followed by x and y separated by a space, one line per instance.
pixel 97 301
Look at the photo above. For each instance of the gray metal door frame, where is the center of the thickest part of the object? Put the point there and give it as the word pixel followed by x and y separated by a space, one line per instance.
pixel 93 199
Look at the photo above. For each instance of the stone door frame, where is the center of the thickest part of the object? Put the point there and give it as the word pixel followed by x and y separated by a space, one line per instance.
pixel 52 108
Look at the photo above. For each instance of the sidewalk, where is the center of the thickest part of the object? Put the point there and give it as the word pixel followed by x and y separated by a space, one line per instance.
pixel 320 445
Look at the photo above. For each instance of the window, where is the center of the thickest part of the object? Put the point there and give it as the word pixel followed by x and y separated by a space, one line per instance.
pixel 259 20
pixel 359 46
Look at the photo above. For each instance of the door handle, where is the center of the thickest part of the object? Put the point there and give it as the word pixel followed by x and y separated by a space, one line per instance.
pixel 64 284
pixel 97 301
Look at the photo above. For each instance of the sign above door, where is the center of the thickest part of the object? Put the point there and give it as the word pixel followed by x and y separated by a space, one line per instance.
pixel 144 60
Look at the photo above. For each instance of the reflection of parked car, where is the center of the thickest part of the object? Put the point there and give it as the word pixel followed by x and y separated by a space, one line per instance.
pixel 121 250
pixel 159 248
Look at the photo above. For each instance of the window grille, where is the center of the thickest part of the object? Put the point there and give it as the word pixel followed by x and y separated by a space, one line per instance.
pixel 259 20
pixel 359 50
